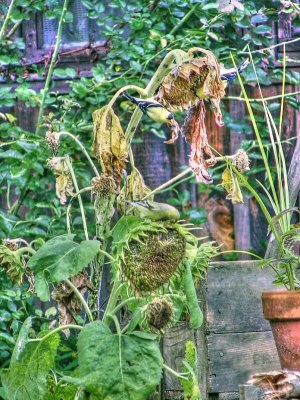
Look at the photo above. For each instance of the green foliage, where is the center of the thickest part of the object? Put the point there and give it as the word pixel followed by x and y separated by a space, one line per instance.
pixel 114 367
pixel 59 259
pixel 26 377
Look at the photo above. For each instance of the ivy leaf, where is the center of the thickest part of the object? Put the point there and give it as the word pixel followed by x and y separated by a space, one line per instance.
pixel 58 259
pixel 26 378
pixel 113 367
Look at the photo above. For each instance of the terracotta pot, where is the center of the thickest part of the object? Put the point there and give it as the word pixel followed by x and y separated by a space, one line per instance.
pixel 282 309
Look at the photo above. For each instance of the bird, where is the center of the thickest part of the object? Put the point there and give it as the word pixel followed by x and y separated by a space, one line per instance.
pixel 229 75
pixel 154 210
pixel 153 109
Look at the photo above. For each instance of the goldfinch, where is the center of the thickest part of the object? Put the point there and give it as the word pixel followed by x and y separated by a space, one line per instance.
pixel 228 75
pixel 153 109
pixel 154 210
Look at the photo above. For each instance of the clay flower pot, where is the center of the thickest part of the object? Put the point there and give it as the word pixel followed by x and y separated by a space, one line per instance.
pixel 282 309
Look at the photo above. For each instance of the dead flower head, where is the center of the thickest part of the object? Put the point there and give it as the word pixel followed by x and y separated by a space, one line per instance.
pixel 159 313
pixel 198 78
pixel 52 140
pixel 64 186
pixel 103 186
pixel 241 161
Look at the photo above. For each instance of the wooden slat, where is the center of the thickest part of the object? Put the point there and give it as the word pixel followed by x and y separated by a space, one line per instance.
pixel 235 356
pixel 234 297
pixel 173 353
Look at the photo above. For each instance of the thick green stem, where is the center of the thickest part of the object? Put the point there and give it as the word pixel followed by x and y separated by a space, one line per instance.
pixel 121 305
pixel 51 67
pixel 81 299
pixel 114 295
pixel 7 19
pixel 79 197
pixel 24 250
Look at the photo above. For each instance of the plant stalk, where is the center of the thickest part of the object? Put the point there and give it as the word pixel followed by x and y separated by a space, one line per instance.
pixel 7 19
pixel 79 197
pixel 51 67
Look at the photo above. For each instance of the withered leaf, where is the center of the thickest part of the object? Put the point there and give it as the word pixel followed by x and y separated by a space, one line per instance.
pixel 194 131
pixel 109 146
pixel 68 303
pixel 231 184
pixel 63 184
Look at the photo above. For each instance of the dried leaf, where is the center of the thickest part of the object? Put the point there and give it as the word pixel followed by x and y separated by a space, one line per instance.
pixel 195 133
pixel 109 145
pixel 231 185
pixel 63 185
pixel 68 303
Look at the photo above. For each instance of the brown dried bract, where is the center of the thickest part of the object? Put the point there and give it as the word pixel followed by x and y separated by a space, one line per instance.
pixel 64 185
pixel 109 145
pixel 194 131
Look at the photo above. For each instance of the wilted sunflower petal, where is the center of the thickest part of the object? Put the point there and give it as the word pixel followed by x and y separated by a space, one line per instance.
pixel 231 185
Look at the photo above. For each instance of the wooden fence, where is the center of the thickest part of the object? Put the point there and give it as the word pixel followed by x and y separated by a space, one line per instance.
pixel 235 340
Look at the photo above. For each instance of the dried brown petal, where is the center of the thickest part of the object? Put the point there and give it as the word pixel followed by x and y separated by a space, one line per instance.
pixel 195 133
pixel 109 145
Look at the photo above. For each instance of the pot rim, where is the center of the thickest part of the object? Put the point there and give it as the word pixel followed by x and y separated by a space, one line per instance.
pixel 281 305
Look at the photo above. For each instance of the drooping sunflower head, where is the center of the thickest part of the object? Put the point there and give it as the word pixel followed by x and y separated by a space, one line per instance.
pixel 198 78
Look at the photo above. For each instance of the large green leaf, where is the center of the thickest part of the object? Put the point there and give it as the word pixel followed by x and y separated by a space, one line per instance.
pixel 58 259
pixel 114 367
pixel 26 377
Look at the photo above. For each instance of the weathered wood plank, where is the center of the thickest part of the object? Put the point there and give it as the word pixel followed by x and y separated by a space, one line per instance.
pixel 236 356
pixel 234 297
pixel 173 352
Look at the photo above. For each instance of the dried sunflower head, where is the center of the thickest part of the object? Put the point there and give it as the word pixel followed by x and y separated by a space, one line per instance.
pixel 52 140
pixel 241 161
pixel 103 186
pixel 198 78
pixel 159 313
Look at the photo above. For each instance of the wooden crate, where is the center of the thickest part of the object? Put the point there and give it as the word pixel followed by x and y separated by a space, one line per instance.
pixel 235 340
